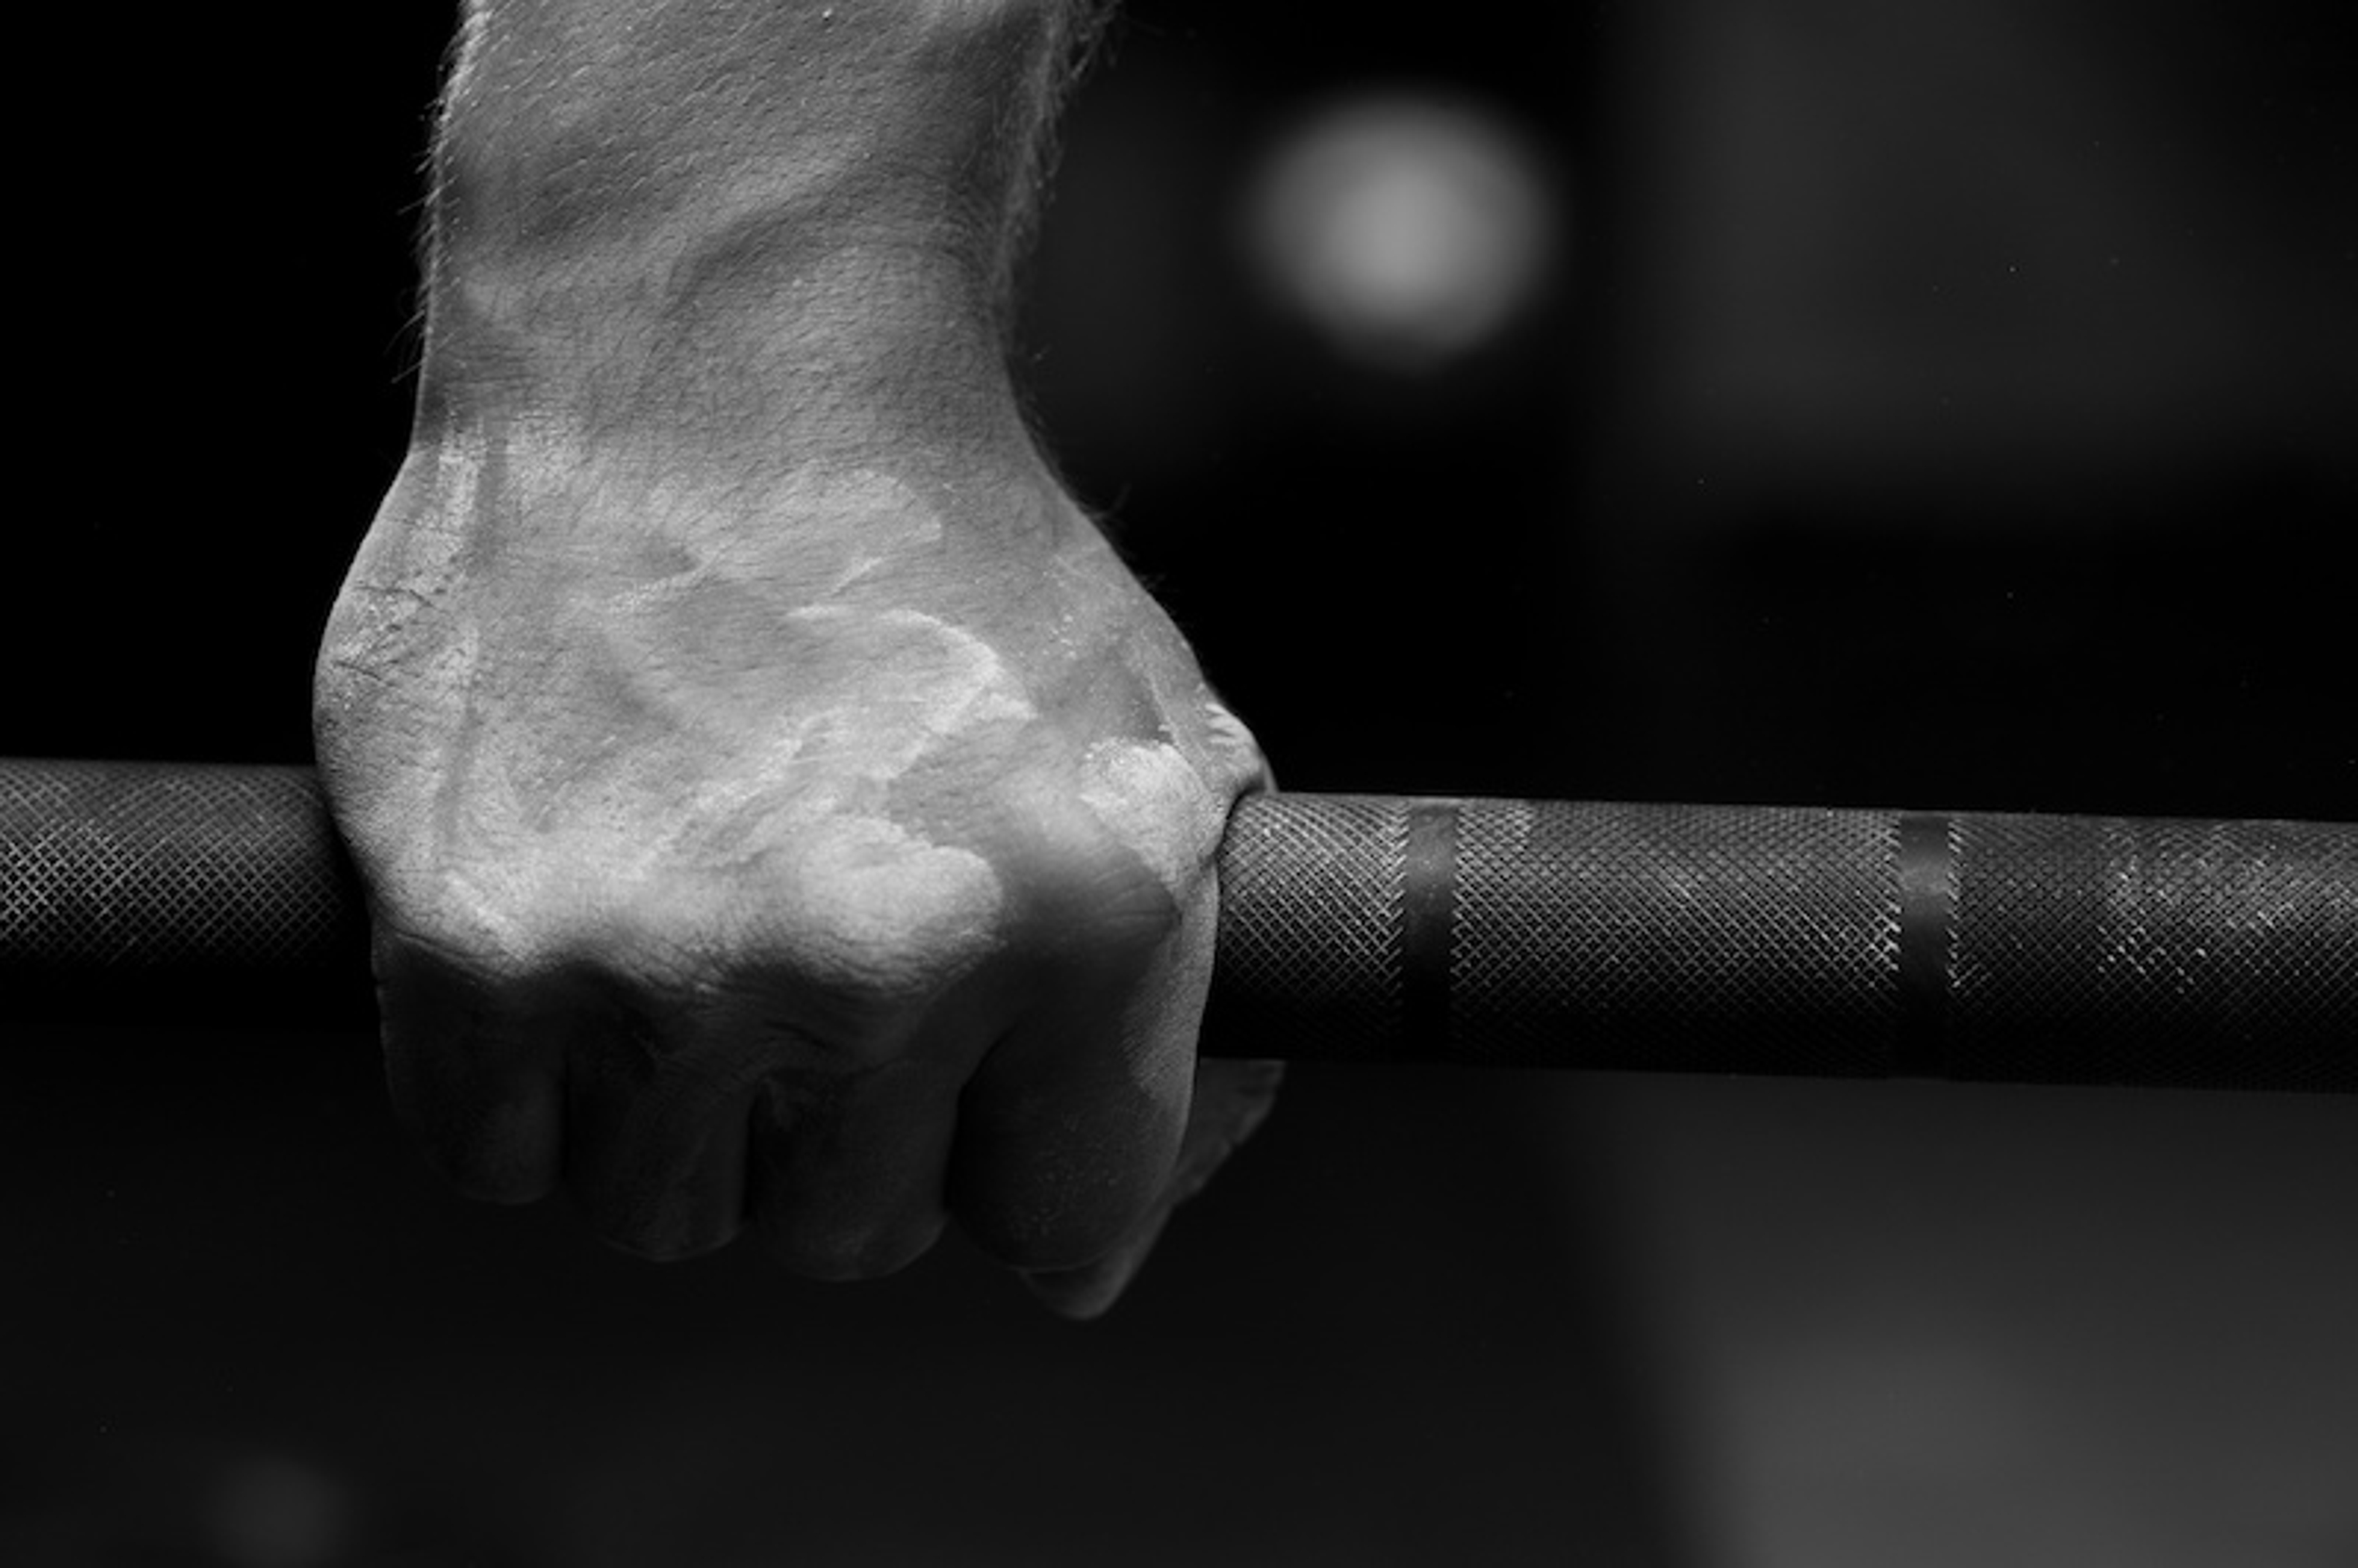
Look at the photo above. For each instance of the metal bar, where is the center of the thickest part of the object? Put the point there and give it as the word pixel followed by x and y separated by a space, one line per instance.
pixel 1965 945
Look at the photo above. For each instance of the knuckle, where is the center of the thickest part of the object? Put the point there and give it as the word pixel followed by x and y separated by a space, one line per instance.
pixel 868 924
pixel 1151 801
pixel 1106 868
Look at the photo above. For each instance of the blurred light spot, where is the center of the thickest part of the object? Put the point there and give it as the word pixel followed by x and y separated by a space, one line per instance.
pixel 274 1512
pixel 1408 231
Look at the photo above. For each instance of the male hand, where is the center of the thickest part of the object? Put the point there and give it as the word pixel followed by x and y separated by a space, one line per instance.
pixel 778 805
pixel 828 849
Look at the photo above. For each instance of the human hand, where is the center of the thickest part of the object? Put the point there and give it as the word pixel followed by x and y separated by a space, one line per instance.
pixel 817 846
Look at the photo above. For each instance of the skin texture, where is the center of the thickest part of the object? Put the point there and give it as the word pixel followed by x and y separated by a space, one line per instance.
pixel 780 806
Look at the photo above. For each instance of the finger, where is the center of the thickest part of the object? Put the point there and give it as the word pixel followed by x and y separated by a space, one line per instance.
pixel 1069 1134
pixel 848 1171
pixel 1232 1098
pixel 656 1124
pixel 479 1084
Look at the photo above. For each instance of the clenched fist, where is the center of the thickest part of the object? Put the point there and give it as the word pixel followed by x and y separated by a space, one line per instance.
pixel 828 849
pixel 779 805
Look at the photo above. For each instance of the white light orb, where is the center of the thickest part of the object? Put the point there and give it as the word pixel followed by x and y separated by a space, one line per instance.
pixel 1407 230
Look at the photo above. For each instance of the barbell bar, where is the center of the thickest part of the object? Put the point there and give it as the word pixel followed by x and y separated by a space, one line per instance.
pixel 1970 946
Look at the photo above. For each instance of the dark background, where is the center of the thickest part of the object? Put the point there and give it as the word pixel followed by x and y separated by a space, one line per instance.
pixel 1933 404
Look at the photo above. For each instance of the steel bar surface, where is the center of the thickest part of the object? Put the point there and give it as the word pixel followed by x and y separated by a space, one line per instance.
pixel 1786 940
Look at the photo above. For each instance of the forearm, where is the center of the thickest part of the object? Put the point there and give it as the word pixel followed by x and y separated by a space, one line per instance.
pixel 741 214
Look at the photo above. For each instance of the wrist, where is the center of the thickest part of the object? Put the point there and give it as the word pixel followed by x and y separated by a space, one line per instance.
pixel 861 347
pixel 748 214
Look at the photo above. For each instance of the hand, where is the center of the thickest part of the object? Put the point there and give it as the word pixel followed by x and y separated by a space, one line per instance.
pixel 818 846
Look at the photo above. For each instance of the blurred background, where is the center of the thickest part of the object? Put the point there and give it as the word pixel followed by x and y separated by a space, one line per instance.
pixel 1795 401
